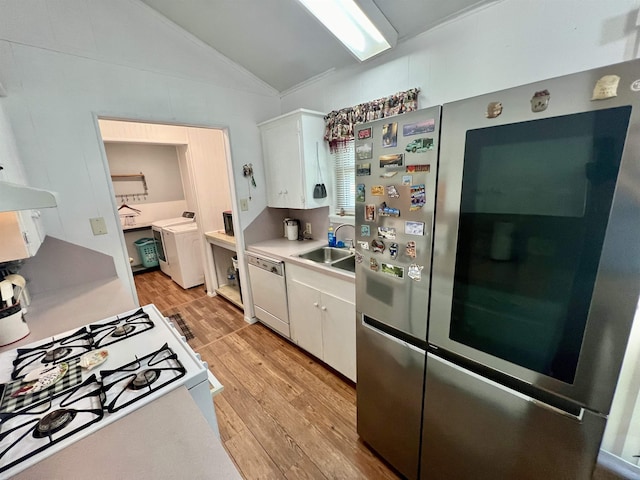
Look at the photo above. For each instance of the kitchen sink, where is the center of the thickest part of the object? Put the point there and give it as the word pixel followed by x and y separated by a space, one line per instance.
pixel 348 264
pixel 326 254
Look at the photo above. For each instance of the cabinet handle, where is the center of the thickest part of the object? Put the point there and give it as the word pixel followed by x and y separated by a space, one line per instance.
pixel 315 304
pixel 323 308
pixel 285 192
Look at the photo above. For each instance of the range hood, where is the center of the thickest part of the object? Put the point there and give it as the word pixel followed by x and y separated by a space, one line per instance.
pixel 20 197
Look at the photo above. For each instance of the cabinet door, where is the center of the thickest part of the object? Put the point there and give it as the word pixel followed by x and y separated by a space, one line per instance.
pixel 305 317
pixel 282 157
pixel 13 245
pixel 339 334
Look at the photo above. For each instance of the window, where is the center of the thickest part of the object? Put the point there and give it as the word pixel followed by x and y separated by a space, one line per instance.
pixel 345 171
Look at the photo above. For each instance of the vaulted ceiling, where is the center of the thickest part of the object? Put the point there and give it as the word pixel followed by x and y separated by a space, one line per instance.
pixel 281 43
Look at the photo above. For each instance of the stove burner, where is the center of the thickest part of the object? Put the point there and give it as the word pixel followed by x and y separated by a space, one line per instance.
pixel 53 422
pixel 55 354
pixel 123 330
pixel 144 379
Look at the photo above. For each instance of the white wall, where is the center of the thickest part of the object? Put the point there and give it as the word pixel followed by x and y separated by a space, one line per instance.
pixel 63 62
pixel 505 44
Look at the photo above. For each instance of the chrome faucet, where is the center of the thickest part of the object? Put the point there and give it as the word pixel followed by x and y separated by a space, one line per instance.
pixel 346 240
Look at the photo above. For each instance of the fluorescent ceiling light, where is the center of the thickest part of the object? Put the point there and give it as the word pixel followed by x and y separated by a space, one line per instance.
pixel 352 27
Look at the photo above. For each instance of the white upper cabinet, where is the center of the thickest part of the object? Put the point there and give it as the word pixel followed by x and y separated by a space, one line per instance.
pixel 296 159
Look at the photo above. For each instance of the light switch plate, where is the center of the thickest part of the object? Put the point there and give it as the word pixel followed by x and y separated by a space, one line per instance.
pixel 244 204
pixel 98 226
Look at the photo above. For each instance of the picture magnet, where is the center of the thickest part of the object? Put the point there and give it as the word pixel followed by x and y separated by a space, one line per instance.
pixel 370 213
pixel 411 249
pixel 414 272
pixel 418 168
pixel 377 190
pixel 365 231
pixel 364 133
pixel 373 264
pixel 359 257
pixel 363 245
pixel 417 128
pixel 392 191
pixel 392 160
pixel 606 87
pixel 419 145
pixel 393 250
pixel 418 197
pixel 377 246
pixel 494 109
pixel 407 180
pixel 635 86
pixel 388 233
pixel 385 211
pixel 414 228
pixel 540 101
pixel 364 151
pixel 363 169
pixel 390 135
pixel 393 270
pixel 360 192
pixel 388 174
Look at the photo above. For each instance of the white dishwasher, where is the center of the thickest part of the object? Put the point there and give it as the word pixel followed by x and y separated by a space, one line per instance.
pixel 269 290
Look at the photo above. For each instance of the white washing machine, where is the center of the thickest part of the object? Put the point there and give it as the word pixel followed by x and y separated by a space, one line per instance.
pixel 184 254
pixel 157 228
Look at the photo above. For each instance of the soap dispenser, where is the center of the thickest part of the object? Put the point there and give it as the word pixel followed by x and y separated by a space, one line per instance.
pixel 331 236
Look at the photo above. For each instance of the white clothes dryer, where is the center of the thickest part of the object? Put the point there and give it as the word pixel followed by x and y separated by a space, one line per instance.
pixel 184 254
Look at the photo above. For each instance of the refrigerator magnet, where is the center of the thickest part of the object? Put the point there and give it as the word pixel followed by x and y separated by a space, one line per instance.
pixel 392 160
pixel 388 233
pixel 540 101
pixel 418 168
pixel 363 169
pixel 419 145
pixel 360 192
pixel 411 249
pixel 414 272
pixel 373 264
pixel 364 151
pixel 390 135
pixel 369 213
pixel 363 245
pixel 414 228
pixel 418 197
pixel 365 231
pixel 393 250
pixel 635 86
pixel 393 270
pixel 407 180
pixel 388 174
pixel 377 190
pixel 386 211
pixel 417 128
pixel 364 133
pixel 377 246
pixel 359 257
pixel 392 191
pixel 606 87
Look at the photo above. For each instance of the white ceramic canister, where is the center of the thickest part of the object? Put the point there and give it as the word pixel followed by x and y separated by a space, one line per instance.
pixel 12 325
pixel 292 230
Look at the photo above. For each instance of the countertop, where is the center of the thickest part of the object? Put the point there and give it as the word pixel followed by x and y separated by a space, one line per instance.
pixel 288 251
pixel 221 239
pixel 168 438
pixel 181 445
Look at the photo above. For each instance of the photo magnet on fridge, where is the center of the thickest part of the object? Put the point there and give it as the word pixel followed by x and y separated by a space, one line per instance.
pixel 417 128
pixel 390 135
pixel 393 160
pixel 393 270
pixel 413 228
pixel 364 133
pixel 407 180
pixel 363 169
pixel 364 151
pixel 392 191
pixel 377 190
pixel 387 232
pixel 365 231
pixel 360 192
pixel 418 197
pixel 370 213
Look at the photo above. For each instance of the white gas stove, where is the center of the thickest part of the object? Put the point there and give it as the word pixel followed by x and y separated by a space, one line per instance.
pixel 146 358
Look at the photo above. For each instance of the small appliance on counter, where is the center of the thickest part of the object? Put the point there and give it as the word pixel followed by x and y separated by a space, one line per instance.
pixel 292 228
pixel 13 327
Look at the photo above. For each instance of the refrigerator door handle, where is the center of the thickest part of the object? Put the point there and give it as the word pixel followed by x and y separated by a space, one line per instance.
pixel 367 323
pixel 576 417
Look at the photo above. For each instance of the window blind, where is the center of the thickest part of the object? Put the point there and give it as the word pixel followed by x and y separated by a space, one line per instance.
pixel 345 172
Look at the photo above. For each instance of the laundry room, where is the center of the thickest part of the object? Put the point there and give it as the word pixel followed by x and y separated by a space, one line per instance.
pixel 154 171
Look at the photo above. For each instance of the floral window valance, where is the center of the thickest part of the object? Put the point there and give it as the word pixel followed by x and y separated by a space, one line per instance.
pixel 339 125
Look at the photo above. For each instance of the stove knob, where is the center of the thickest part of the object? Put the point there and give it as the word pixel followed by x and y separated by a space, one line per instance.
pixel 274 270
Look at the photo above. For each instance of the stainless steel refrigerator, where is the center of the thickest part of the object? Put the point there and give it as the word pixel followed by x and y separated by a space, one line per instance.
pixel 535 277
pixel 396 169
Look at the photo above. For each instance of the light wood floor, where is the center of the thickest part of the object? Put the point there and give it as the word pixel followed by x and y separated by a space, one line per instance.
pixel 282 413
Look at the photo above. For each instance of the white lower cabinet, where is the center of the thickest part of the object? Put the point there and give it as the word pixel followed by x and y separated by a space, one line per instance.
pixel 322 315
